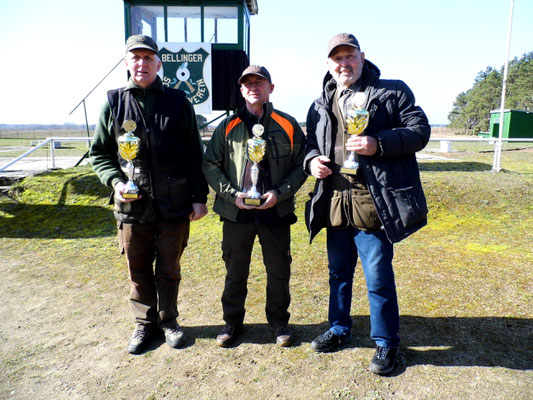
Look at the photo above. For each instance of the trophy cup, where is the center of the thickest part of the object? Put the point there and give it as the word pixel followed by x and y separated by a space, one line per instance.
pixel 355 122
pixel 256 151
pixel 128 147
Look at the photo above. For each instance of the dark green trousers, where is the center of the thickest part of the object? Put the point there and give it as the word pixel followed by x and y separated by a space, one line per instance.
pixel 237 243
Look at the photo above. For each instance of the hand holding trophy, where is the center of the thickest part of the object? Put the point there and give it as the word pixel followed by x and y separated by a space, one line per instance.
pixel 128 147
pixel 355 122
pixel 256 151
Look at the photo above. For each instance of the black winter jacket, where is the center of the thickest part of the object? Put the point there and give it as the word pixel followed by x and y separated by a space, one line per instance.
pixel 392 175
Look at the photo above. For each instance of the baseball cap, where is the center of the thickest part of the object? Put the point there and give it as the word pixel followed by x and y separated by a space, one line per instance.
pixel 342 39
pixel 255 70
pixel 141 42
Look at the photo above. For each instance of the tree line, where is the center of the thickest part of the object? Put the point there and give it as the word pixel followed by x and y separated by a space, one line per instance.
pixel 471 109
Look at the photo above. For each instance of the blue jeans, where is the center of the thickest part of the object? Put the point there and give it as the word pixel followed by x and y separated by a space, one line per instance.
pixel 376 254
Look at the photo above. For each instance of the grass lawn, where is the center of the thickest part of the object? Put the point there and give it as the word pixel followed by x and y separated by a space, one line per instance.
pixel 464 286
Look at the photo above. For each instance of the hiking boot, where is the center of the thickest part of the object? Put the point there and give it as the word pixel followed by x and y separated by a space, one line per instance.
pixel 228 335
pixel 174 335
pixel 284 337
pixel 140 338
pixel 383 361
pixel 329 341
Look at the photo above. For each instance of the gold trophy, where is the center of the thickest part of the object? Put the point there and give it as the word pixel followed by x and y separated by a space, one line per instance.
pixel 355 122
pixel 256 152
pixel 128 147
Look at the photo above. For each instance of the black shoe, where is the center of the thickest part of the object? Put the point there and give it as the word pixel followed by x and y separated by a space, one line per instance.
pixel 228 335
pixel 329 341
pixel 383 361
pixel 140 338
pixel 174 335
pixel 284 337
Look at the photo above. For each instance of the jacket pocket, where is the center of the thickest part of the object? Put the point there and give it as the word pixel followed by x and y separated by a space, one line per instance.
pixel 411 204
pixel 363 211
pixel 179 193
pixel 336 212
pixel 278 148
pixel 173 197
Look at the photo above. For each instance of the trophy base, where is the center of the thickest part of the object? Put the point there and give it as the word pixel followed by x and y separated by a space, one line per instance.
pixel 130 195
pixel 251 201
pixel 348 171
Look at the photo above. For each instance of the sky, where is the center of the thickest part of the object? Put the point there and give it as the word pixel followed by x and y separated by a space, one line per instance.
pixel 56 51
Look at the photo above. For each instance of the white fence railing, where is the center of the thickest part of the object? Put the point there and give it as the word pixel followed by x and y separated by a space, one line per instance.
pixel 52 141
pixel 445 145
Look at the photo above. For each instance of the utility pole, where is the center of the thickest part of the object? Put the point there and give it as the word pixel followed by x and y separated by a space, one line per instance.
pixel 496 164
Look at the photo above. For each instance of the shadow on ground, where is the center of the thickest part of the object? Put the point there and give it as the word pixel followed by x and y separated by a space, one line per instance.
pixel 62 220
pixel 460 166
pixel 445 341
pixel 55 221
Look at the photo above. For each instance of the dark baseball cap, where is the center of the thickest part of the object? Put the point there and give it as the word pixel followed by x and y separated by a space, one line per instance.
pixel 255 70
pixel 342 39
pixel 141 42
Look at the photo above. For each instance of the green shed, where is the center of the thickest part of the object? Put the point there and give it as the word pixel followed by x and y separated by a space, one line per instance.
pixel 516 124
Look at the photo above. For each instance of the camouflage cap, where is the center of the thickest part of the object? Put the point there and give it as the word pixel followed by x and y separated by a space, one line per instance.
pixel 255 70
pixel 342 39
pixel 141 42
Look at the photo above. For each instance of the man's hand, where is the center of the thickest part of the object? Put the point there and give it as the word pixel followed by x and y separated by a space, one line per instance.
pixel 120 188
pixel 318 167
pixel 271 199
pixel 199 210
pixel 239 201
pixel 364 145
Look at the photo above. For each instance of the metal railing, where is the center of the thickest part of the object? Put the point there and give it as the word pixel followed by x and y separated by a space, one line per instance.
pixel 51 141
pixel 478 139
pixel 446 143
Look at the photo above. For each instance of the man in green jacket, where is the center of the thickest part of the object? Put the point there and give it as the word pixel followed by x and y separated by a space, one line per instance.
pixel 153 224
pixel 229 170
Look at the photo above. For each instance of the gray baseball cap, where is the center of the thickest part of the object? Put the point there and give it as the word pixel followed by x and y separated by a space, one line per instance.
pixel 255 70
pixel 342 39
pixel 141 42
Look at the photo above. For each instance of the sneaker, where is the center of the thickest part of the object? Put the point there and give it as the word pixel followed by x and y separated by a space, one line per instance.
pixel 383 361
pixel 228 335
pixel 140 338
pixel 329 341
pixel 284 337
pixel 174 335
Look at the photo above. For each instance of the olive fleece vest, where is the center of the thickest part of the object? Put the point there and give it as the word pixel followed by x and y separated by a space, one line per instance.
pixel 163 160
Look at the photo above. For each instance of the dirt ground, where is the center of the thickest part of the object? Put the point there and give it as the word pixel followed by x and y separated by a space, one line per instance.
pixel 62 337
pixel 65 339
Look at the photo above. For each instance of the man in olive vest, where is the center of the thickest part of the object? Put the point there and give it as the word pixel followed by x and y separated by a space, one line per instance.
pixel 153 221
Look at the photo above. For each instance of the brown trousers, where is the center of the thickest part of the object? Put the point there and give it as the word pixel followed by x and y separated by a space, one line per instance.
pixel 154 291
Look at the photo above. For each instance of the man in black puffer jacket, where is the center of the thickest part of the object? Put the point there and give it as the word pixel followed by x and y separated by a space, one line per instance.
pixel 368 210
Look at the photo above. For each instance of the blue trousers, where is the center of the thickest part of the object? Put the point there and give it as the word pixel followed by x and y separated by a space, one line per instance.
pixel 376 253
